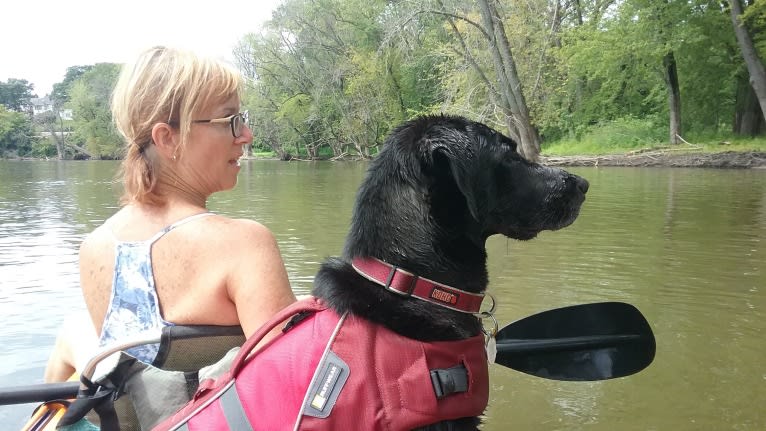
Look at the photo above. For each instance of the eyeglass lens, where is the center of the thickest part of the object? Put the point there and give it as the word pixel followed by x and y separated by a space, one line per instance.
pixel 238 122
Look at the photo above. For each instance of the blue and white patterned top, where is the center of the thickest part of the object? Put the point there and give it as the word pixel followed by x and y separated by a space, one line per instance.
pixel 134 306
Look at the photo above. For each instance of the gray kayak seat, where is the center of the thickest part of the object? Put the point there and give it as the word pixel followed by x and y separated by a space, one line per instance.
pixel 191 347
pixel 186 354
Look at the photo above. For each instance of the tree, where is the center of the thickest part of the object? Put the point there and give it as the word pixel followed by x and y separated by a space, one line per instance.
pixel 16 134
pixel 674 95
pixel 60 94
pixel 662 17
pixel 89 101
pixel 476 41
pixel 17 94
pixel 638 61
pixel 337 75
pixel 519 122
pixel 748 119
pixel 50 123
pixel 319 81
pixel 754 64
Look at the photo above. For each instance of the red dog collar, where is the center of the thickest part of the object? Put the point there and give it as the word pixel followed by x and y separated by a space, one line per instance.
pixel 406 283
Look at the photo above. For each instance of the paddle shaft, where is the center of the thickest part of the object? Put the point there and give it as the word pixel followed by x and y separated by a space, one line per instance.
pixel 38 392
pixel 566 343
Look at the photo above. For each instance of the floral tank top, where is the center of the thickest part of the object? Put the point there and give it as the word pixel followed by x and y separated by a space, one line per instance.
pixel 134 306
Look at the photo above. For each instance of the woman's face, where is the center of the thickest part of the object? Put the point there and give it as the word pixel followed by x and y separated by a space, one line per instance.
pixel 210 159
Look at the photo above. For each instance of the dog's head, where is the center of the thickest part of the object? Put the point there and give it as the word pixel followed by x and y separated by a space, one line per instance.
pixel 442 178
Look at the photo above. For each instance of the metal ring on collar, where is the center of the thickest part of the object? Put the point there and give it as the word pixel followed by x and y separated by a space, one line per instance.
pixel 495 325
pixel 488 313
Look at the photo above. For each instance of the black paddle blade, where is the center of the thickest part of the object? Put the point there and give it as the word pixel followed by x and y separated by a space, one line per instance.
pixel 583 342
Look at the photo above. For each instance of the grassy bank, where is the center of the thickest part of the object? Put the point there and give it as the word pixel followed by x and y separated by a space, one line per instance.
pixel 627 136
pixel 579 148
pixel 595 148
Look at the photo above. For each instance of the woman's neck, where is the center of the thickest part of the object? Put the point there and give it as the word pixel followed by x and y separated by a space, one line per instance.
pixel 179 192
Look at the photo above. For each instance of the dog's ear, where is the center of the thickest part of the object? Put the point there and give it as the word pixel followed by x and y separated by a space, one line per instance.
pixel 462 170
pixel 469 184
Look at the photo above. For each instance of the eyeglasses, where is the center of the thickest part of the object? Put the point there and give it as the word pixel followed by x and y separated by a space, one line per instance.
pixel 236 121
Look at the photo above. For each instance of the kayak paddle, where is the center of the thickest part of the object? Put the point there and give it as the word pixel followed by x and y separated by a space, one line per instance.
pixel 582 342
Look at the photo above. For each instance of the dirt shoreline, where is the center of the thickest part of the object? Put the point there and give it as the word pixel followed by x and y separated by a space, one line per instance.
pixel 653 158
pixel 665 158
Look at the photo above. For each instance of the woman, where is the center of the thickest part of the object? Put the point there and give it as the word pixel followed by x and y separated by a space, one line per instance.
pixel 163 258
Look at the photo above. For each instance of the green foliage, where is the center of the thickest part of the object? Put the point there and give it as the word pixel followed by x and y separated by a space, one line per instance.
pixel 340 74
pixel 16 133
pixel 44 148
pixel 617 136
pixel 89 100
pixel 60 94
pixel 602 141
pixel 754 18
pixel 332 77
pixel 709 104
pixel 17 94
pixel 322 82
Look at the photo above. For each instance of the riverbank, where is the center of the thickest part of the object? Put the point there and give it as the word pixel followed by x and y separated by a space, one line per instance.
pixel 670 158
pixel 666 158
pixel 643 158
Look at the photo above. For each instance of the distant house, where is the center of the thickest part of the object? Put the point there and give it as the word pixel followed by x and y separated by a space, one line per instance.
pixel 45 104
pixel 41 104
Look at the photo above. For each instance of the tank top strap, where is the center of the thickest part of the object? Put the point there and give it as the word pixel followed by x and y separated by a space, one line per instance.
pixel 184 220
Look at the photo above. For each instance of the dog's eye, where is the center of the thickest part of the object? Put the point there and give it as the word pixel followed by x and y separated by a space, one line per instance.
pixel 509 143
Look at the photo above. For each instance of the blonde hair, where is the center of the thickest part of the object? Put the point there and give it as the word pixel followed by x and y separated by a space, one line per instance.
pixel 163 85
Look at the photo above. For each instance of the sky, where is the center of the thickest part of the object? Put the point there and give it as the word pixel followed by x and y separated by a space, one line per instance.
pixel 39 40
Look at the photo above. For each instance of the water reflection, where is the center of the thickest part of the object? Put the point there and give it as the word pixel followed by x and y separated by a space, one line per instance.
pixel 686 246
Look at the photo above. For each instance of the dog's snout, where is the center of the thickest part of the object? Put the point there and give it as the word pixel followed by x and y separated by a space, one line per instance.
pixel 581 183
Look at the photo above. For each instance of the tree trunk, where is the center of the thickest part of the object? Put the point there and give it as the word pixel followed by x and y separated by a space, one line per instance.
pixel 674 96
pixel 754 64
pixel 81 150
pixel 748 118
pixel 516 109
pixel 578 12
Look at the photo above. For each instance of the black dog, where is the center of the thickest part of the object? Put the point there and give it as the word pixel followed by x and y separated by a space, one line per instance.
pixel 439 188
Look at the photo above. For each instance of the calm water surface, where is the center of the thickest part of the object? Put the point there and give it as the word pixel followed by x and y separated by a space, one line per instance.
pixel 686 246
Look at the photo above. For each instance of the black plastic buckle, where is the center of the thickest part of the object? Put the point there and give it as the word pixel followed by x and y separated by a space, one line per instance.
pixel 449 381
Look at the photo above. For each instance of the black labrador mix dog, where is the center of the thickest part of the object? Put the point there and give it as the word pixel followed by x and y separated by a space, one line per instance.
pixel 439 188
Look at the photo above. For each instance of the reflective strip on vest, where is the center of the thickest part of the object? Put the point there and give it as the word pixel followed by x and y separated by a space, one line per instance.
pixel 233 411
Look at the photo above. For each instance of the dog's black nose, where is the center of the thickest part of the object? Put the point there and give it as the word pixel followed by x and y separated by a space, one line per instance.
pixel 582 183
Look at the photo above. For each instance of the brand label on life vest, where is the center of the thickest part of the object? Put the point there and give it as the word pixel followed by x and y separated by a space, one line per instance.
pixel 323 393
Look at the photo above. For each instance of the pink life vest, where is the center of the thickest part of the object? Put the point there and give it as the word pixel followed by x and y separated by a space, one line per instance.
pixel 330 372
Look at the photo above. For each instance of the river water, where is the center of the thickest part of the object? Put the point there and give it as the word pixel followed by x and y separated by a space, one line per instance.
pixel 685 246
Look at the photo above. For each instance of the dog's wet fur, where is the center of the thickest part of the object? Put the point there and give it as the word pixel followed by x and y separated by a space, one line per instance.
pixel 438 189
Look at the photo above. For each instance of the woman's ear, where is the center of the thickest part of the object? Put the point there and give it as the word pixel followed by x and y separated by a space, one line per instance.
pixel 165 139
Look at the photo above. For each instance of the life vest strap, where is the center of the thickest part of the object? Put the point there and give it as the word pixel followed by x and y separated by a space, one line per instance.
pixel 233 411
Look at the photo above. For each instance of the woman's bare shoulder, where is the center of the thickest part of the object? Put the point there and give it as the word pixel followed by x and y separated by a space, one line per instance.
pixel 97 239
pixel 241 230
